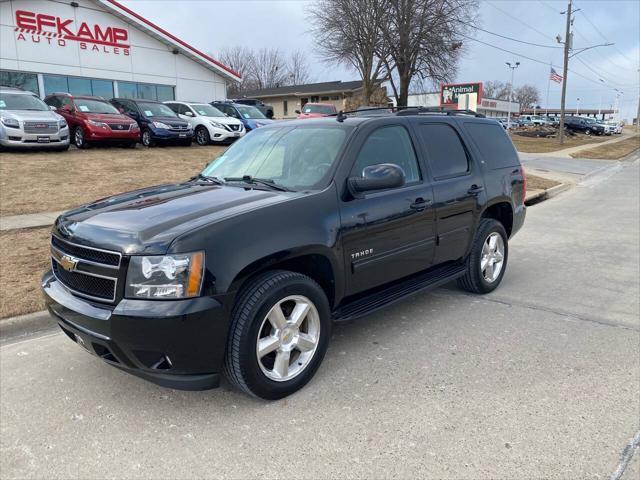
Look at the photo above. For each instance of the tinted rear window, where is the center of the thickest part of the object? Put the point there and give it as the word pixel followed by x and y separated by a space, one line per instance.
pixel 447 157
pixel 494 145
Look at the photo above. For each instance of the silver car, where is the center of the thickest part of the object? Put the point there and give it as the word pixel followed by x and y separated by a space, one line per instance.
pixel 27 122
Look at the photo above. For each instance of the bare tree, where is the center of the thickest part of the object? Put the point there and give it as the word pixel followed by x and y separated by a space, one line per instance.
pixel 348 32
pixel 526 96
pixel 269 68
pixel 496 89
pixel 241 60
pixel 421 38
pixel 298 72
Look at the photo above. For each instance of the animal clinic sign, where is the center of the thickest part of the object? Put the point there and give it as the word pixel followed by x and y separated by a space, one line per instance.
pixel 42 28
pixel 450 93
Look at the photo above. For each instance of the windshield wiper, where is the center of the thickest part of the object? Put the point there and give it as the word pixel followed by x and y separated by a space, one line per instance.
pixel 258 181
pixel 205 178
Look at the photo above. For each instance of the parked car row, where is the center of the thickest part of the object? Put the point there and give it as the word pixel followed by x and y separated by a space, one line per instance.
pixel 62 118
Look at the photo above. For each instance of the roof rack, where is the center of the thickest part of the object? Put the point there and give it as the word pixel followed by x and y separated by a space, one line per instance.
pixel 437 110
pixel 403 111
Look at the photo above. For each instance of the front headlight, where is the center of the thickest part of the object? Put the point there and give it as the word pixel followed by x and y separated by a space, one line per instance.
pixel 63 123
pixel 10 122
pixel 97 124
pixel 161 125
pixel 217 125
pixel 165 276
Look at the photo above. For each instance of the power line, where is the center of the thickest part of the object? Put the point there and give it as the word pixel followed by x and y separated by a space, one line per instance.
pixel 601 55
pixel 509 38
pixel 520 21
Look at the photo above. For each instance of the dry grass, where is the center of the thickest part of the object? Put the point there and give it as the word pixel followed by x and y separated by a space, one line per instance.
pixel 33 182
pixel 25 256
pixel 545 145
pixel 538 183
pixel 612 151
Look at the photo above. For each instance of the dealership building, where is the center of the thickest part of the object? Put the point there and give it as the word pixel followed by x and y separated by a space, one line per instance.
pixel 100 47
pixel 489 107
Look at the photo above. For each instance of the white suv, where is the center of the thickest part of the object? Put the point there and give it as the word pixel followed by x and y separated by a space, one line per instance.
pixel 209 124
pixel 27 122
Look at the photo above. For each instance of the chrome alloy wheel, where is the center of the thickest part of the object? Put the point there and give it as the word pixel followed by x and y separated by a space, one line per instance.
pixel 492 258
pixel 79 137
pixel 288 338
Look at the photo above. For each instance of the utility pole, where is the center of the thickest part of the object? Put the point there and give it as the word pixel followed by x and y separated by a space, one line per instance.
pixel 513 68
pixel 578 107
pixel 567 47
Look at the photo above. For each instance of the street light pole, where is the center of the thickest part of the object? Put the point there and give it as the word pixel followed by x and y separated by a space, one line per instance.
pixel 578 107
pixel 513 68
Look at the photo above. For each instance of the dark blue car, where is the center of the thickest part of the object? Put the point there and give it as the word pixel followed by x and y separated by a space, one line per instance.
pixel 251 117
pixel 158 123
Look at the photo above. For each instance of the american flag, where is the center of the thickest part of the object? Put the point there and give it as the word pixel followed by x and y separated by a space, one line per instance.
pixel 554 76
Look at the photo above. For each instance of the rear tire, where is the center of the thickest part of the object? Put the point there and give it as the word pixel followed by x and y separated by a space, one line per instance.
pixel 487 261
pixel 273 350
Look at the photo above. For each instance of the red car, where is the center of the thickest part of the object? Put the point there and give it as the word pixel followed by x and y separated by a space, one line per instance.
pixel 93 120
pixel 315 110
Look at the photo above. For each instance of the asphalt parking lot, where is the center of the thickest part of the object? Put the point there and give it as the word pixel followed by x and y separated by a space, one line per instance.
pixel 539 379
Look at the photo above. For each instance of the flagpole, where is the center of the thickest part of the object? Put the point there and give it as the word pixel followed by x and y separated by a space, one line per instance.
pixel 546 105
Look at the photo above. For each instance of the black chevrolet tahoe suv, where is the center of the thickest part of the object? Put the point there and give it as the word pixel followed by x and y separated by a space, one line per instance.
pixel 242 269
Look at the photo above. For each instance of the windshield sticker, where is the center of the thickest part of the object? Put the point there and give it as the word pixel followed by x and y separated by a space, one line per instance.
pixel 202 112
pixel 148 113
pixel 2 104
pixel 83 108
pixel 245 115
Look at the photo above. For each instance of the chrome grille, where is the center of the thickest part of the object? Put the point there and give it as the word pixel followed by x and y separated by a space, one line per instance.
pixel 179 128
pixel 234 128
pixel 41 127
pixel 86 271
pixel 119 127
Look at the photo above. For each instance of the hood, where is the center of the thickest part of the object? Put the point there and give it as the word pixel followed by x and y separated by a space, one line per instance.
pixel 30 116
pixel 109 117
pixel 148 220
pixel 225 120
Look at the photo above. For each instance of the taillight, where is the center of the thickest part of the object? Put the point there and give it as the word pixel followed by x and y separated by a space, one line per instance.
pixel 524 183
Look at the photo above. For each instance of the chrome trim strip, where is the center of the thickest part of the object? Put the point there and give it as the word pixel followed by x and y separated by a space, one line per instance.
pixel 76 292
pixel 90 262
pixel 93 248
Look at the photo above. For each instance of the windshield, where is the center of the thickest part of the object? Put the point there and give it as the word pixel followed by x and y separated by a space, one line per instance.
pixel 323 109
pixel 207 110
pixel 88 105
pixel 590 120
pixel 298 158
pixel 249 112
pixel 156 110
pixel 21 101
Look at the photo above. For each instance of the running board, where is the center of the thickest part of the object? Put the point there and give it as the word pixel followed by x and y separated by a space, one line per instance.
pixel 381 297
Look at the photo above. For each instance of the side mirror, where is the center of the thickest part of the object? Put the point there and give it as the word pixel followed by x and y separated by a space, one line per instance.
pixel 189 114
pixel 121 110
pixel 298 112
pixel 51 107
pixel 68 108
pixel 132 114
pixel 377 177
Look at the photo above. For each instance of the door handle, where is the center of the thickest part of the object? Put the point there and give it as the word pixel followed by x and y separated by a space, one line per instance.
pixel 475 190
pixel 420 204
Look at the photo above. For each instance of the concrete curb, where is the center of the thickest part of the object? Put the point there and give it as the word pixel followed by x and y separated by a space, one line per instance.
pixel 15 328
pixel 557 190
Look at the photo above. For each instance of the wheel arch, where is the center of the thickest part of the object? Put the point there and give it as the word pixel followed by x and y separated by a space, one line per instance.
pixel 314 263
pixel 502 211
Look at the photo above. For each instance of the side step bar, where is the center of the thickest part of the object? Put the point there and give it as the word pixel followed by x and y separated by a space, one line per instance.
pixel 380 298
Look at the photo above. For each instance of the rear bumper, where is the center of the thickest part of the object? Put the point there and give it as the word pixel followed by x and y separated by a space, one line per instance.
pixel 177 344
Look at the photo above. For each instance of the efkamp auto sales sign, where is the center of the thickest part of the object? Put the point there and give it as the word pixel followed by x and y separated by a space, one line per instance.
pixel 449 93
pixel 42 28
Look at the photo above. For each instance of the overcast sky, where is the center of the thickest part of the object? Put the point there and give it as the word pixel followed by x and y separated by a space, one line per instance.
pixel 212 25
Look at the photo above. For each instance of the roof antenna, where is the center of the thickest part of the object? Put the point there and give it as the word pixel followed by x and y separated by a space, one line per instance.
pixel 341 116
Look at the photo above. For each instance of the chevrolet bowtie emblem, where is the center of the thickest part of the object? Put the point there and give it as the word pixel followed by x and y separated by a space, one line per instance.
pixel 68 263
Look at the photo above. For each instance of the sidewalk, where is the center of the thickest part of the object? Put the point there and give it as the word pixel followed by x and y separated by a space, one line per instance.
pixel 566 152
pixel 31 220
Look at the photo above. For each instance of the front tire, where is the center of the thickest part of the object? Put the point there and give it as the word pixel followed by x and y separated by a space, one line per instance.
pixel 78 138
pixel 146 138
pixel 202 136
pixel 487 261
pixel 279 333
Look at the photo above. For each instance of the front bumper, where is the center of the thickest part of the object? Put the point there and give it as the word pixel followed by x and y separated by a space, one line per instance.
pixel 224 135
pixel 18 138
pixel 164 135
pixel 103 135
pixel 173 343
